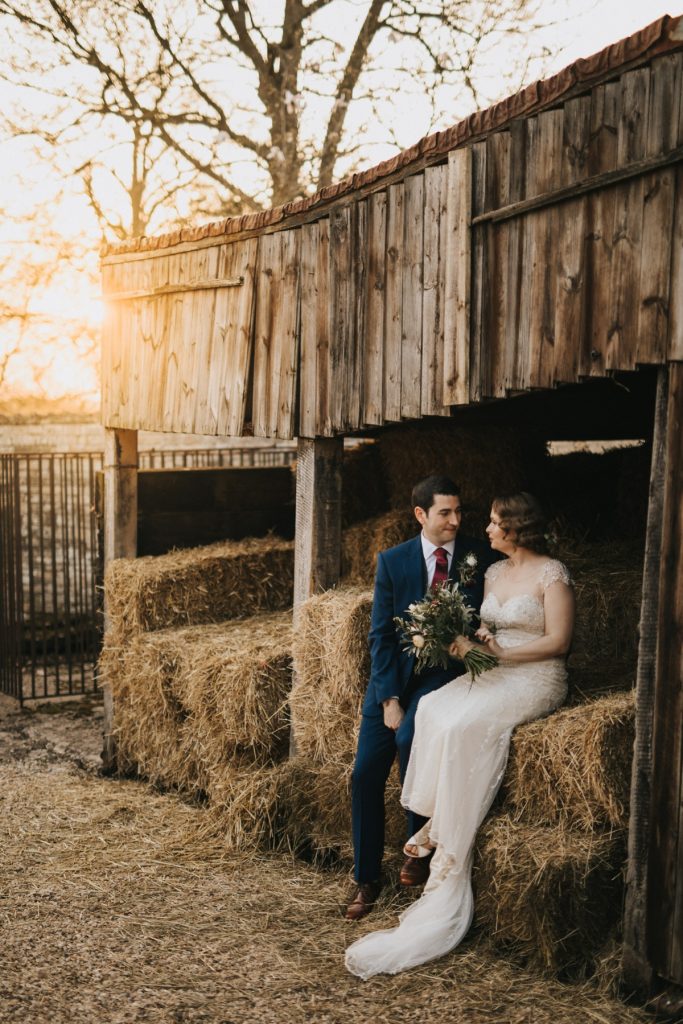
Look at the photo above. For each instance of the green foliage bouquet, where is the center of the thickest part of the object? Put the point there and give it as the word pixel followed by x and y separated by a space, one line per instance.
pixel 436 622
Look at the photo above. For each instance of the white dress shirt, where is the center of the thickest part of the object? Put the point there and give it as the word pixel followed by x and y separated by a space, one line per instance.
pixel 428 552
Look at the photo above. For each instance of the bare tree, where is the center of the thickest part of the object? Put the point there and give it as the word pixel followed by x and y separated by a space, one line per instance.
pixel 42 327
pixel 244 103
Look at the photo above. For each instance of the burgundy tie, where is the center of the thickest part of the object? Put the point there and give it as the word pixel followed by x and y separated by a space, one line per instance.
pixel 441 570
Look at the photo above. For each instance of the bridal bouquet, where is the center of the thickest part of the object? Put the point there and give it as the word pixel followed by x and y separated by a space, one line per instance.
pixel 434 624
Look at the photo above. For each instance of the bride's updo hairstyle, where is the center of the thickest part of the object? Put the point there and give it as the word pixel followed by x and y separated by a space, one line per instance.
pixel 523 519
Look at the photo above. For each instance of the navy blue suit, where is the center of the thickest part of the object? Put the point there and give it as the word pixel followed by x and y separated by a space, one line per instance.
pixel 401 579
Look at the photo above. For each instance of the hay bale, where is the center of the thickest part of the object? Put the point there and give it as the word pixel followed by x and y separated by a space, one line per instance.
pixel 547 896
pixel 245 806
pixel 316 810
pixel 575 766
pixel 332 663
pixel 362 543
pixel 232 579
pixel 485 460
pixel 608 582
pixel 192 703
pixel 363 490
pixel 150 730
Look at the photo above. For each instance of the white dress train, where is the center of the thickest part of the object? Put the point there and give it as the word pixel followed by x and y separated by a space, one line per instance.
pixel 458 757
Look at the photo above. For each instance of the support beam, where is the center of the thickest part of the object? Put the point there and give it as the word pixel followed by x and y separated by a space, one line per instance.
pixel 637 973
pixel 120 534
pixel 653 921
pixel 317 553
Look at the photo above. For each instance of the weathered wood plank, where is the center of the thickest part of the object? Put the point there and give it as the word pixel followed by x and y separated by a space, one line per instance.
pixel 373 370
pixel 492 359
pixel 665 877
pixel 434 290
pixel 323 418
pixel 664 104
pixel 572 226
pixel 268 294
pixel 576 129
pixel 570 287
pixel 515 255
pixel 602 143
pixel 459 273
pixel 475 287
pixel 652 326
pixel 308 363
pixel 632 132
pixel 675 341
pixel 342 313
pixel 530 257
pixel 636 967
pixel 545 228
pixel 284 374
pixel 198 415
pixel 233 338
pixel 393 322
pixel 359 262
pixel 633 107
pixel 411 326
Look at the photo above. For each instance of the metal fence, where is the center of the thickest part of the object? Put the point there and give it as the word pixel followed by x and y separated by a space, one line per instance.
pixel 50 593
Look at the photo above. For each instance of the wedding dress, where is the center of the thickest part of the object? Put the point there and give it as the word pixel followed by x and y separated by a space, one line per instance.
pixel 457 762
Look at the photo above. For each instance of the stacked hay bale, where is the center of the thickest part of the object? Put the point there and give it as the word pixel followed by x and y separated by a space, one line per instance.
pixel 484 460
pixel 330 660
pixel 549 864
pixel 198 654
pixel 332 665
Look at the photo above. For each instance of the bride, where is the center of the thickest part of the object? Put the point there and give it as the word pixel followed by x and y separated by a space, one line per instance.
pixel 462 734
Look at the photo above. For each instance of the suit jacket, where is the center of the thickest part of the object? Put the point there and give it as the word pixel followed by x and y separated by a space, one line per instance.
pixel 401 579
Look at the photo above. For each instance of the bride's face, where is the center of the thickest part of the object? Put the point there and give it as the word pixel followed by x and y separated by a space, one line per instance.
pixel 498 539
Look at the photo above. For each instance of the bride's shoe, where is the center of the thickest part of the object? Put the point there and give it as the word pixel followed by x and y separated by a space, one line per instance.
pixel 420 843
pixel 415 870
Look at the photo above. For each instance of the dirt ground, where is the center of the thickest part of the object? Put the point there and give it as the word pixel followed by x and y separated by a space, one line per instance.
pixel 117 906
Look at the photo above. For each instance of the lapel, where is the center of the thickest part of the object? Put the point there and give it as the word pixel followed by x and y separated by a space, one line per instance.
pixel 414 570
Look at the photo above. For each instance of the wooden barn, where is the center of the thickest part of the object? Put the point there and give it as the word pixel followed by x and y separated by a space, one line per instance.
pixel 526 265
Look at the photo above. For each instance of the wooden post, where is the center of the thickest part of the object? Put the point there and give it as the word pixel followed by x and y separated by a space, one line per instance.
pixel 637 973
pixel 317 552
pixel 120 534
pixel 653 922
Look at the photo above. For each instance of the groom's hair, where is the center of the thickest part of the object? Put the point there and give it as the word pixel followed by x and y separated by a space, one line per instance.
pixel 424 491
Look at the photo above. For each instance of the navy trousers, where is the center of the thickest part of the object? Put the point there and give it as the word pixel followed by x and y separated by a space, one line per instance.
pixel 377 748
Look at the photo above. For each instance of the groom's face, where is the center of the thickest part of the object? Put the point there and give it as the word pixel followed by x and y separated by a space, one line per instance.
pixel 441 521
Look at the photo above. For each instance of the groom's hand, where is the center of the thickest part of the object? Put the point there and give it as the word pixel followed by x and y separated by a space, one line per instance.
pixel 393 713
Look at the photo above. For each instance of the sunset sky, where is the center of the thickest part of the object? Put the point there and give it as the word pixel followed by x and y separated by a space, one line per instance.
pixel 57 355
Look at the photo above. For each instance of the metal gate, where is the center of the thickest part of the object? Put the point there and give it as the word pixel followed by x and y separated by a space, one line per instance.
pixel 50 626
pixel 10 579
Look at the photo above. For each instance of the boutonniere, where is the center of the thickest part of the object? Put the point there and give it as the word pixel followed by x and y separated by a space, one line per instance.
pixel 467 568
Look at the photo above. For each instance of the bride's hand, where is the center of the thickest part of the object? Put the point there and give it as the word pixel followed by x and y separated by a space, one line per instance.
pixel 492 646
pixel 460 646
pixel 484 634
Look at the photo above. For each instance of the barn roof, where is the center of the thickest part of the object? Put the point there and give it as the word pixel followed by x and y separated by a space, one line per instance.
pixel 661 36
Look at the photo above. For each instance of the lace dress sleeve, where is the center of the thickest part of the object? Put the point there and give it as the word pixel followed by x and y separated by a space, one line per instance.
pixel 493 571
pixel 555 572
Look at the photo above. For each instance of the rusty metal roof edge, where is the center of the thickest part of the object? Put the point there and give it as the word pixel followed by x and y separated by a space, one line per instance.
pixel 661 36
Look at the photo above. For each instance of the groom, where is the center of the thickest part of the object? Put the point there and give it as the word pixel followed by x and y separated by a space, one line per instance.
pixel 404 573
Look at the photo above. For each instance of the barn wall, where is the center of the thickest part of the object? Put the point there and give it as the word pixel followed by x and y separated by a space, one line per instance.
pixel 549 252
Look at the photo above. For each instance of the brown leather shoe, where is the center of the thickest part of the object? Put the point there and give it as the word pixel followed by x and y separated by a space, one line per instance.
pixel 364 899
pixel 415 870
